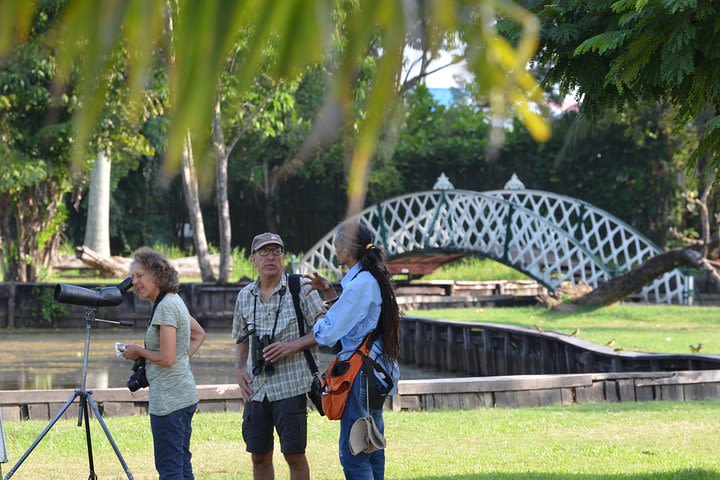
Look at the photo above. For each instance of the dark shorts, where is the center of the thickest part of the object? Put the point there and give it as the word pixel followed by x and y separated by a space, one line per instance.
pixel 288 416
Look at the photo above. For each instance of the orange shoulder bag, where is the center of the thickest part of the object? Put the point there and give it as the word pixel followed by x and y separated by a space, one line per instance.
pixel 339 377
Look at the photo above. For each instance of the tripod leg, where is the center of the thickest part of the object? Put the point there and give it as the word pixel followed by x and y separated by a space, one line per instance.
pixel 109 437
pixel 42 435
pixel 88 439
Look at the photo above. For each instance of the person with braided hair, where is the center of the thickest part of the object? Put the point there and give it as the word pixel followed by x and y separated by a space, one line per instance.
pixel 366 307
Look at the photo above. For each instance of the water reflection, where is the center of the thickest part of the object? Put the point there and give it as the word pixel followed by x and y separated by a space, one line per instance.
pixel 44 360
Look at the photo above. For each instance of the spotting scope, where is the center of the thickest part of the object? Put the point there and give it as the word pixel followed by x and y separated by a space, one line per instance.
pixel 100 297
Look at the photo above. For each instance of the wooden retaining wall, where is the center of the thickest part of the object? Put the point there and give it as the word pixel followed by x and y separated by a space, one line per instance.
pixel 454 393
pixel 539 390
pixel 488 349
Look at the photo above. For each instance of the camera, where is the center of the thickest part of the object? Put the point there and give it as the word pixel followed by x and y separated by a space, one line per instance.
pixel 259 362
pixel 138 379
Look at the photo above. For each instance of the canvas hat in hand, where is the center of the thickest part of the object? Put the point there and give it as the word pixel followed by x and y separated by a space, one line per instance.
pixel 365 436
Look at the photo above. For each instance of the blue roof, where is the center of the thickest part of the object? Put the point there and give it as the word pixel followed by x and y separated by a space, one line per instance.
pixel 443 96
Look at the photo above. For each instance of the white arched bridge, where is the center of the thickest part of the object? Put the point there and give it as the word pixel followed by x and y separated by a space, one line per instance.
pixel 549 237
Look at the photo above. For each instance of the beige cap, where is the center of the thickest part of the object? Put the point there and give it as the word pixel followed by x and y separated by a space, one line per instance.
pixel 266 239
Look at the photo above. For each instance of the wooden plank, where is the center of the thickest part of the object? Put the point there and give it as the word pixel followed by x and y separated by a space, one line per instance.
pixel 11 412
pixel 539 398
pixel 38 411
pixel 488 353
pixel 450 350
pixel 417 344
pixel 471 401
pixel 671 392
pixel 427 402
pixel 452 400
pixel 411 402
pixel 692 392
pixel 710 390
pixel 628 375
pixel 501 355
pixel 220 392
pixel 467 347
pixel 239 405
pixel 507 399
pixel 590 394
pixel 211 406
pixel 70 413
pixel 19 397
pixel 396 403
pixel 434 361
pixel 545 363
pixel 626 389
pixel 567 396
pixel 491 384
pixel 681 378
pixel 611 391
pixel 123 409
pixel 644 394
pixel 524 357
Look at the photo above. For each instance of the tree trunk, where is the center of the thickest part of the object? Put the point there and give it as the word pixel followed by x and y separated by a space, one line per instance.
pixel 4 235
pixel 221 193
pixel 267 198
pixel 621 286
pixel 97 227
pixel 192 199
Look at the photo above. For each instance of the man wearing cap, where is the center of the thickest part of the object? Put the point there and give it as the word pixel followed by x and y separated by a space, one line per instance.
pixel 271 370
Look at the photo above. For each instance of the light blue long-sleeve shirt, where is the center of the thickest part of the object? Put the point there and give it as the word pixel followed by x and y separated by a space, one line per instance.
pixel 353 316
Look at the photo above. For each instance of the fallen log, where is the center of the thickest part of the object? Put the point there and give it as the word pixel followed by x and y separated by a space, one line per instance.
pixel 120 266
pixel 108 266
pixel 621 286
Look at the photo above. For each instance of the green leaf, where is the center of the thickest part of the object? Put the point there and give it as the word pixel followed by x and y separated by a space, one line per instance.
pixel 713 124
pixel 603 42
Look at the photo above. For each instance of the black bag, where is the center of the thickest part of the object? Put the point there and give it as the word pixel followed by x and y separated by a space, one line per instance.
pixel 315 393
pixel 377 393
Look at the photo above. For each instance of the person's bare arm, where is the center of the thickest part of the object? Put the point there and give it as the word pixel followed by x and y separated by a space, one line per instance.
pixel 243 379
pixel 197 336
pixel 279 350
pixel 165 357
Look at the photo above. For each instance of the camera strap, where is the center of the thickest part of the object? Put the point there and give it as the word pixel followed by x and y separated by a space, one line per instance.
pixel 159 299
pixel 277 311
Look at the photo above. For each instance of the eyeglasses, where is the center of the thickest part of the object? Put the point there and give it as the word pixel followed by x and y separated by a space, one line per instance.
pixel 265 251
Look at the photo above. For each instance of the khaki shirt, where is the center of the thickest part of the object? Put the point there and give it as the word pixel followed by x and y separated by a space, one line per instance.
pixel 292 375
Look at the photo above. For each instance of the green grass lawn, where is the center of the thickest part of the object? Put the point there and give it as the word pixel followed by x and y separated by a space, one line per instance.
pixel 655 440
pixel 645 328
pixel 475 269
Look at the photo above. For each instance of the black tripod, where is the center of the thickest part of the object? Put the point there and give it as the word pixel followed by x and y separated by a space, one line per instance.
pixel 84 401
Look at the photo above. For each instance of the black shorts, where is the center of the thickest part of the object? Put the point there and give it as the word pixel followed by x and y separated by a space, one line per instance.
pixel 288 416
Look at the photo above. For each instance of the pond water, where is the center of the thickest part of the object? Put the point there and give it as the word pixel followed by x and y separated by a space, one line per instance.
pixel 44 360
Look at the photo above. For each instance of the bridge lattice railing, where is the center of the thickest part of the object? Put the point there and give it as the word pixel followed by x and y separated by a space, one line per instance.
pixel 552 238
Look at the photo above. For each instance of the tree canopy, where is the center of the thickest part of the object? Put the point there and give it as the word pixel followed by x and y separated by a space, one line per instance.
pixel 619 52
pixel 300 32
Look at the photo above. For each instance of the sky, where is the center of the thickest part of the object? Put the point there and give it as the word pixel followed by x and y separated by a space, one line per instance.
pixel 444 78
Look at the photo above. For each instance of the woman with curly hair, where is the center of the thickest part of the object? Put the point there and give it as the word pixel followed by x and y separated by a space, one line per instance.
pixel 171 339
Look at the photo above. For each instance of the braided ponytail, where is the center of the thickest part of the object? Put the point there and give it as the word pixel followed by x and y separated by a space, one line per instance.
pixel 358 239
